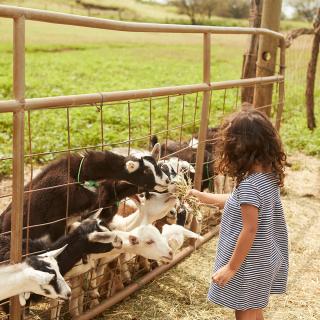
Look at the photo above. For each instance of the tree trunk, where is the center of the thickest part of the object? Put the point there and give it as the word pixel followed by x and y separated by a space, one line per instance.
pixel 311 74
pixel 250 57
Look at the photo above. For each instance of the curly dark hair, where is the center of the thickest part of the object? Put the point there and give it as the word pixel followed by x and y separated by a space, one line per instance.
pixel 245 139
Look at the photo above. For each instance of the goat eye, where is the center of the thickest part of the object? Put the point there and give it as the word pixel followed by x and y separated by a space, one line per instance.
pixel 150 242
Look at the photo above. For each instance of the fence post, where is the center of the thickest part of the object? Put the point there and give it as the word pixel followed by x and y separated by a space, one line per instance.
pixel 281 85
pixel 250 56
pixel 18 153
pixel 204 117
pixel 267 54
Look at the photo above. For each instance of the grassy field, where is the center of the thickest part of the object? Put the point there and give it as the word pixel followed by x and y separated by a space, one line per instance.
pixel 69 60
pixel 135 10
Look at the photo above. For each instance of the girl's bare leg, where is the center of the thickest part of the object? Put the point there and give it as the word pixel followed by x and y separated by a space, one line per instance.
pixel 259 314
pixel 250 314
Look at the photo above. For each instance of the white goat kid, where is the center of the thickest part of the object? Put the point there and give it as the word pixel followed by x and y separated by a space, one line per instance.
pixel 152 207
pixel 175 235
pixel 37 274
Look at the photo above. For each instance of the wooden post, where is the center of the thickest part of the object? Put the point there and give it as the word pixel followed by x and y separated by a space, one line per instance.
pixel 311 73
pixel 250 57
pixel 281 85
pixel 204 111
pixel 202 136
pixel 267 54
pixel 18 153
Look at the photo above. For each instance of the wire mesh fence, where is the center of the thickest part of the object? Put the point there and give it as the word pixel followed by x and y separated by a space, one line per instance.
pixel 125 126
pixel 54 173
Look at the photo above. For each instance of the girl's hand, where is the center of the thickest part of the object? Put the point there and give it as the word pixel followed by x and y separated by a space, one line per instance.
pixel 223 275
pixel 193 192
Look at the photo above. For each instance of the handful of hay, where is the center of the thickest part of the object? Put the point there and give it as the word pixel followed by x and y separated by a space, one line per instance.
pixel 183 186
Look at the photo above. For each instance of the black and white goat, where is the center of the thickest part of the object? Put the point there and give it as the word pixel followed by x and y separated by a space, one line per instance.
pixel 185 152
pixel 38 274
pixel 90 237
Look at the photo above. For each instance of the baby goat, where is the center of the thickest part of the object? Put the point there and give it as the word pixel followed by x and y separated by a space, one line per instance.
pixel 175 235
pixel 185 152
pixel 39 274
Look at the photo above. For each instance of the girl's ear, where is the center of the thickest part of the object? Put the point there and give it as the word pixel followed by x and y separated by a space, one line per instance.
pixel 156 152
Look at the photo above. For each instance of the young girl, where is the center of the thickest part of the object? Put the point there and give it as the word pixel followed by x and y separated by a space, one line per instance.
pixel 252 254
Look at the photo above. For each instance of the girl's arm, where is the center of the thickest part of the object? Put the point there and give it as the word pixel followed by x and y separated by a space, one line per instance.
pixel 243 245
pixel 210 198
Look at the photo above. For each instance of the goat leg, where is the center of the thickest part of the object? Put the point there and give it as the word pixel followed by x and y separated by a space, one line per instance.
pixel 76 295
pixel 56 306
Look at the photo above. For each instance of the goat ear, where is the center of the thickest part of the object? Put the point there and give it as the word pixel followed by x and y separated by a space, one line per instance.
pixel 101 237
pixel 133 240
pixel 132 166
pixel 156 151
pixel 96 215
pixel 53 253
pixel 23 297
pixel 189 234
pixel 187 166
pixel 191 168
pixel 173 244
pixel 136 199
pixel 73 226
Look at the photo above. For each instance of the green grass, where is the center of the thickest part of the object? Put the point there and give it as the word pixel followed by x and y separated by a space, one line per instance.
pixel 68 60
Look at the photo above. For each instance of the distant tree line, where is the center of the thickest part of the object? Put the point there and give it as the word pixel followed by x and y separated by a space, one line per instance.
pixel 305 9
pixel 201 10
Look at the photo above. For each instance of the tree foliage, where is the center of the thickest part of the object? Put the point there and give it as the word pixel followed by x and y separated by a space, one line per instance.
pixel 200 10
pixel 305 9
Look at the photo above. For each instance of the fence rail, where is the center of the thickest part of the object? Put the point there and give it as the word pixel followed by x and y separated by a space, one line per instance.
pixel 21 103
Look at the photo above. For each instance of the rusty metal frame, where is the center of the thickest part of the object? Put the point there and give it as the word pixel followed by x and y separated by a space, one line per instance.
pixel 19 105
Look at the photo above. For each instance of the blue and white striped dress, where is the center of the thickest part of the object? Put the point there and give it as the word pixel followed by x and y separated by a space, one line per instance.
pixel 265 269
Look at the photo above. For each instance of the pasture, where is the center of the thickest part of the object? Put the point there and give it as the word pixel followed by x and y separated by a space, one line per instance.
pixel 64 60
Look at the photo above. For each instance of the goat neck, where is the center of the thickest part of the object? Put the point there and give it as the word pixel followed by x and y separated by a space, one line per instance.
pixel 127 223
pixel 99 165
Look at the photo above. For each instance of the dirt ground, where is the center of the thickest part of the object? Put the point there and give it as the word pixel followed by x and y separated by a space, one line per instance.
pixel 180 294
